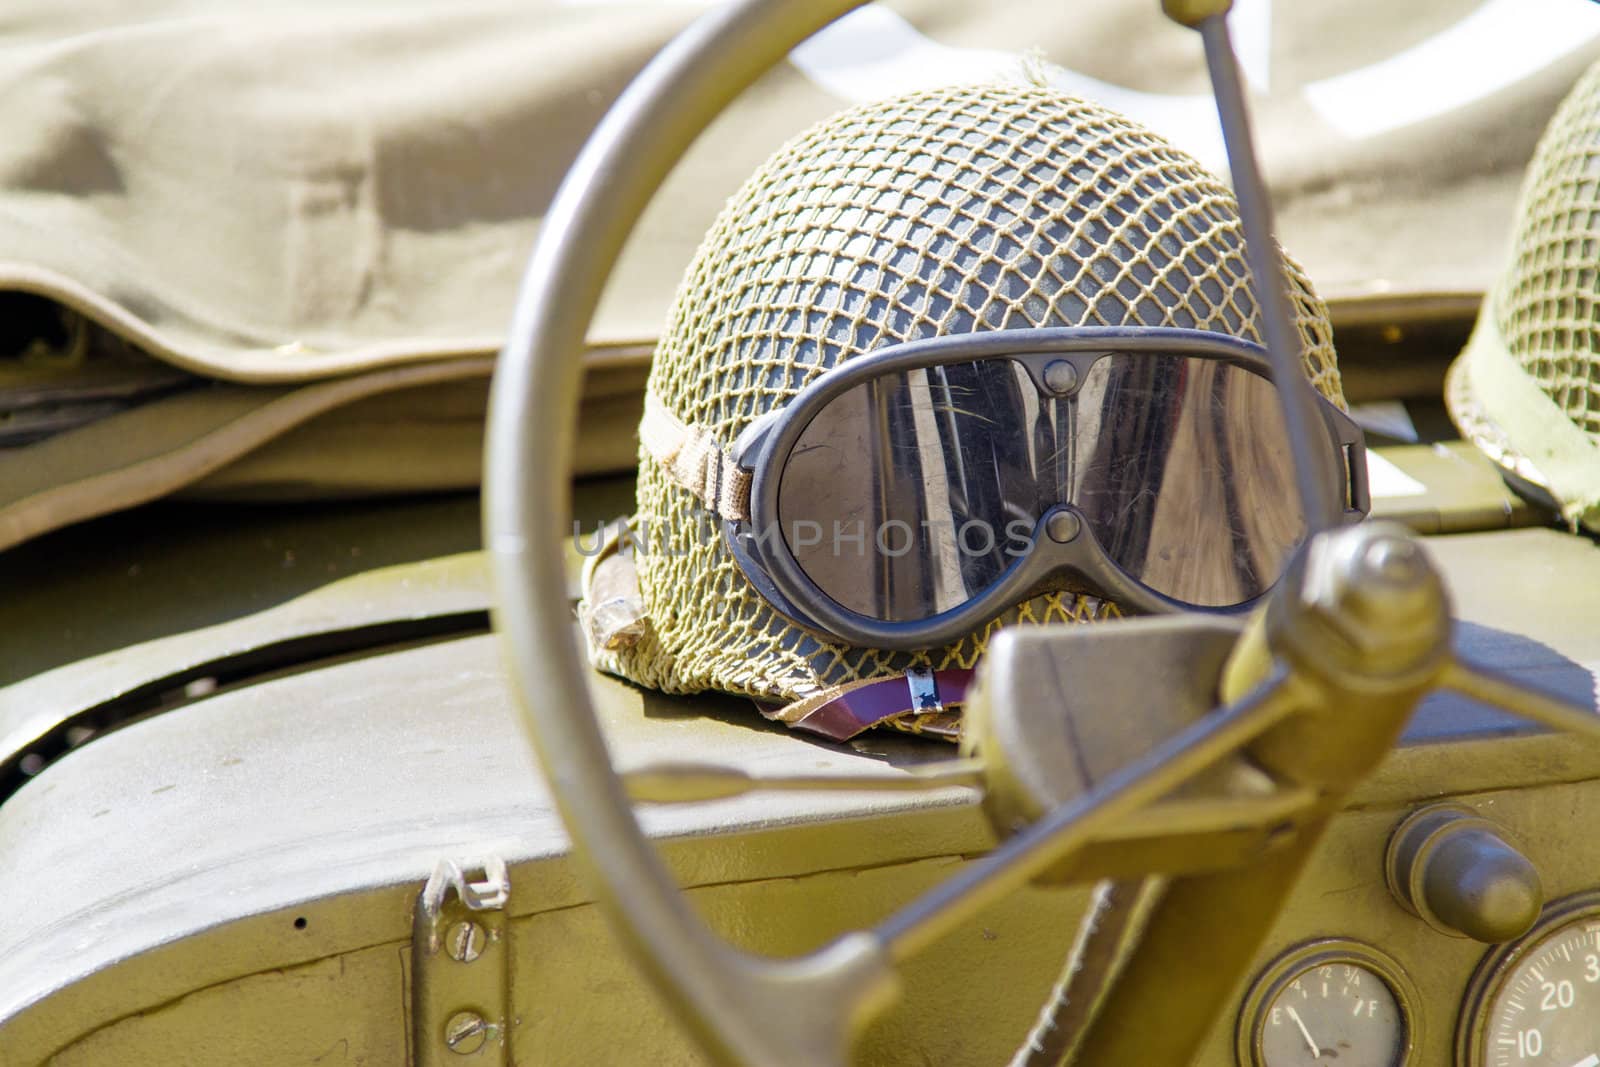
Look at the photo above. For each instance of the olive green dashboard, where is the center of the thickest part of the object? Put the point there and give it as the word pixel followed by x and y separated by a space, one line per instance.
pixel 218 864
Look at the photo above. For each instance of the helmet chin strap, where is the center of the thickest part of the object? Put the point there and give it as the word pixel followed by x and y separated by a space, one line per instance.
pixel 920 700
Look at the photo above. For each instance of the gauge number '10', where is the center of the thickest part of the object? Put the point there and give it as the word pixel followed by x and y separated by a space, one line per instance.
pixel 1547 1012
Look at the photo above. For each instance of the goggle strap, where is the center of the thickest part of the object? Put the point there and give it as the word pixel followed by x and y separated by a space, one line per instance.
pixel 695 460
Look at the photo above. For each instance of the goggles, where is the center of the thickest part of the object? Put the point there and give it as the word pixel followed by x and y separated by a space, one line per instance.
pixel 906 497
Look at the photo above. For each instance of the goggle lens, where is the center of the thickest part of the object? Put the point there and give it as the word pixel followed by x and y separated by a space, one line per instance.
pixel 915 491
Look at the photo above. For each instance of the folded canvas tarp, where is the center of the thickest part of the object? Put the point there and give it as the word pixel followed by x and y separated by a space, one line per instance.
pixel 318 204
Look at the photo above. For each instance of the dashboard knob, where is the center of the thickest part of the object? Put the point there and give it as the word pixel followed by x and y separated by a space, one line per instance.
pixel 1461 874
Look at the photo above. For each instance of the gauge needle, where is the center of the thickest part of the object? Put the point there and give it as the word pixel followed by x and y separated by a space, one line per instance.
pixel 1316 1050
pixel 1591 1060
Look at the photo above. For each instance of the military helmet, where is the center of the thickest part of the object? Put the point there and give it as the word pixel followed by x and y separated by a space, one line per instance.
pixel 947 211
pixel 1526 390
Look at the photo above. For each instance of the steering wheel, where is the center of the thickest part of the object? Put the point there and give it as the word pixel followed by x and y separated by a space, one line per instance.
pixel 1304 679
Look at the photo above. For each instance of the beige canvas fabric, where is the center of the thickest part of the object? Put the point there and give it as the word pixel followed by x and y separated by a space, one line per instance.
pixel 269 192
pixel 405 429
pixel 281 191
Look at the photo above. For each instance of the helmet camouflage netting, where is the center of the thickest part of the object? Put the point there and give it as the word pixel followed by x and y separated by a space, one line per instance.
pixel 1527 389
pixel 947 211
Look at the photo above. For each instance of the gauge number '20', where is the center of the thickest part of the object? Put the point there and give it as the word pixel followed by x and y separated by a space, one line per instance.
pixel 1547 1013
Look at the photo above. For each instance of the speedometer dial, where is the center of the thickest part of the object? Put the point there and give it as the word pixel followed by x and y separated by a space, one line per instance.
pixel 1536 1002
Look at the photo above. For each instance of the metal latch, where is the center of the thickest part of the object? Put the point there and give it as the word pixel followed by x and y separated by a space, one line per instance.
pixel 460 967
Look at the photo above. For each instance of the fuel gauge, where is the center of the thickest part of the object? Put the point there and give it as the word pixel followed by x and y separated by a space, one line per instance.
pixel 1329 1002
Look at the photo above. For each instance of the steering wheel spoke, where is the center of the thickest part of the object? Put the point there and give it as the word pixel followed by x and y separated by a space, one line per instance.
pixel 847 980
pixel 1481 683
pixel 1070 827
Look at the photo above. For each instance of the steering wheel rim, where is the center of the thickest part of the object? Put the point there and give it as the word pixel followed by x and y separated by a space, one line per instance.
pixel 743 1008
